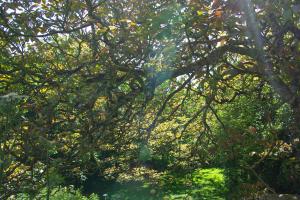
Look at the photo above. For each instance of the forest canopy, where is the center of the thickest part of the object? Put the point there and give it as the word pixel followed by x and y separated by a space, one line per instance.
pixel 145 90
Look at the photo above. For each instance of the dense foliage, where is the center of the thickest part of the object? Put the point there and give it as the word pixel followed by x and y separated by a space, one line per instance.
pixel 102 94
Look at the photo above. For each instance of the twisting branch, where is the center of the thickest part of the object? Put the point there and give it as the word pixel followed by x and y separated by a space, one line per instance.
pixel 162 108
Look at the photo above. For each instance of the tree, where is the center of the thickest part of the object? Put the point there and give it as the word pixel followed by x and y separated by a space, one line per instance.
pixel 93 71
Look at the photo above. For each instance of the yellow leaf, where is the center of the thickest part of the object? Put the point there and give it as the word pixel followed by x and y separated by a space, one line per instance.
pixel 200 13
pixel 178 135
pixel 112 28
pixel 101 30
pixel 132 24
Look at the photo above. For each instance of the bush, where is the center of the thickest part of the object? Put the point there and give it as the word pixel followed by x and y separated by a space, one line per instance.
pixel 209 184
pixel 203 184
pixel 58 193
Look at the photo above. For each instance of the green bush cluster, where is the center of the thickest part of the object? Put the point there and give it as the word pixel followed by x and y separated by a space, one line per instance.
pixel 203 184
pixel 58 193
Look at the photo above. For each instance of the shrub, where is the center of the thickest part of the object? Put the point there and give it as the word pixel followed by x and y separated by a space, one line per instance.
pixel 203 184
pixel 58 193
